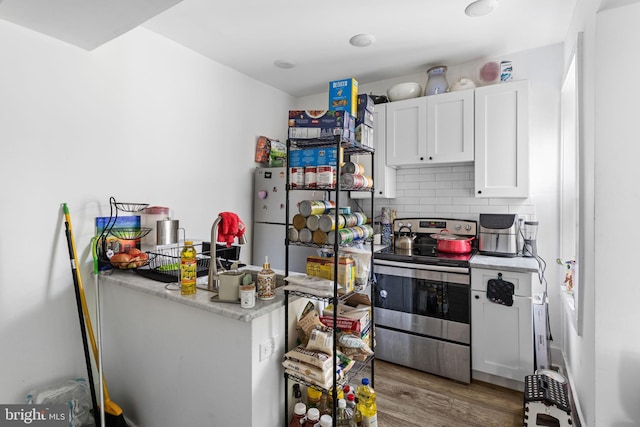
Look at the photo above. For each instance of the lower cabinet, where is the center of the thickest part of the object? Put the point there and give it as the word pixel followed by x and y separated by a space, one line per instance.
pixel 501 336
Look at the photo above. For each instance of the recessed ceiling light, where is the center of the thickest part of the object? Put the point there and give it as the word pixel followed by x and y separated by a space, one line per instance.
pixel 480 8
pixel 284 63
pixel 362 40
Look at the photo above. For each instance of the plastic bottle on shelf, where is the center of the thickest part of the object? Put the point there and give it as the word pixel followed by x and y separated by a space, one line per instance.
pixel 314 397
pixel 299 411
pixel 367 404
pixel 266 281
pixel 344 416
pixel 326 421
pixel 188 264
pixel 328 408
pixel 312 418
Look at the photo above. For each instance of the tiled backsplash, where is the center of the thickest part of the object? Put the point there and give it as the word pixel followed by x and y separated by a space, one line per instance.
pixel 444 192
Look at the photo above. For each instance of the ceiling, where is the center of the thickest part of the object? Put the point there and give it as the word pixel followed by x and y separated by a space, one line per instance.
pixel 250 35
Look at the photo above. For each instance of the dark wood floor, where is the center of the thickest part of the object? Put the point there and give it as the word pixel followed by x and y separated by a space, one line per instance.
pixel 410 398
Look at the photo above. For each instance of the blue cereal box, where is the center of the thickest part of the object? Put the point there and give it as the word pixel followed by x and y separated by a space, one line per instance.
pixel 343 95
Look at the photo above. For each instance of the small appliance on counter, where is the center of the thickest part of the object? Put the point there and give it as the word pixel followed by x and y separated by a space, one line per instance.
pixel 498 234
pixel 530 232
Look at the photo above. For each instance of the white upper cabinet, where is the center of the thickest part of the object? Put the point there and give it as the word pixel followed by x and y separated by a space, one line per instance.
pixel 384 177
pixel 502 140
pixel 407 132
pixel 450 127
pixel 432 129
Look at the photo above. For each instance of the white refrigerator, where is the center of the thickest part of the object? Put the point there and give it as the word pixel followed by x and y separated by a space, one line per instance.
pixel 269 220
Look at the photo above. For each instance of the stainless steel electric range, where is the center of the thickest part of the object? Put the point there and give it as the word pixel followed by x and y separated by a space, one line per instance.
pixel 423 299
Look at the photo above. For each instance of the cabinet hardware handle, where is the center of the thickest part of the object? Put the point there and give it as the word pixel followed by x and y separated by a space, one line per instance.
pixel 421 158
pixel 477 296
pixel 479 191
pixel 430 158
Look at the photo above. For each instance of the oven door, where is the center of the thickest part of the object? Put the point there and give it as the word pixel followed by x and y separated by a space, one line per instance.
pixel 431 303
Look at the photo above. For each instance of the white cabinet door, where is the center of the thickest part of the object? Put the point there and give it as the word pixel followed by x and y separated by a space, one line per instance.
pixel 502 336
pixel 407 132
pixel 502 140
pixel 499 345
pixel 450 127
pixel 384 179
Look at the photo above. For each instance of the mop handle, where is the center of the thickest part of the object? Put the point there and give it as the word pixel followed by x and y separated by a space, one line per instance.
pixel 83 299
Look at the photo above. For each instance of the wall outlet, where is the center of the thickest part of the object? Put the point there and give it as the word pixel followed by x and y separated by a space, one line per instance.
pixel 267 348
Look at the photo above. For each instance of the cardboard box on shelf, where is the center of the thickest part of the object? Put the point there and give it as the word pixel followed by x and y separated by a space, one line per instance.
pixel 320 156
pixel 322 119
pixel 323 267
pixel 353 315
pixel 365 102
pixel 343 95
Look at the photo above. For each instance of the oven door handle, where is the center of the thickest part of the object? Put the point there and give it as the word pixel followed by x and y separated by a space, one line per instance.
pixel 443 268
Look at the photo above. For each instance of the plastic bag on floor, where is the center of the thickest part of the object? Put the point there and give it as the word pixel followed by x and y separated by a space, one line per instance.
pixel 75 393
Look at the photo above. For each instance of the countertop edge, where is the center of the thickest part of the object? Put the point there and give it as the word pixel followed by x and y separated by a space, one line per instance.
pixel 201 300
pixel 517 264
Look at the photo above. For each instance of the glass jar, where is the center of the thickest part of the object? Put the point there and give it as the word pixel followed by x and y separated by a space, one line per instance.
pixel 437 81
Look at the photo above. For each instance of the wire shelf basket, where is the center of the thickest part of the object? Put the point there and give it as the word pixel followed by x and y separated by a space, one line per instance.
pixel 129 233
pixel 167 262
pixel 130 207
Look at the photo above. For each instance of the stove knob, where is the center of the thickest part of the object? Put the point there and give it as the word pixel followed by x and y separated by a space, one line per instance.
pixel 467 227
pixel 458 227
pixel 383 293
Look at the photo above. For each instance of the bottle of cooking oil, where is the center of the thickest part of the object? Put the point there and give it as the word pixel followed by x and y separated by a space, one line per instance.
pixel 188 269
pixel 266 281
pixel 367 404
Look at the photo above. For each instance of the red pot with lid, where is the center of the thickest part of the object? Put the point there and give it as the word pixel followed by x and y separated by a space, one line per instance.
pixel 451 243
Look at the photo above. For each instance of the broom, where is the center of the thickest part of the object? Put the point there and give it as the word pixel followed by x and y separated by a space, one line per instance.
pixel 113 413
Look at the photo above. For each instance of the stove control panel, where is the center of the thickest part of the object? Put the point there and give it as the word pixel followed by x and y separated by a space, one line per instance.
pixel 459 227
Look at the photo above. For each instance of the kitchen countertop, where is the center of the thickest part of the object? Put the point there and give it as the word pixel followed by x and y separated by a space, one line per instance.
pixel 518 264
pixel 201 299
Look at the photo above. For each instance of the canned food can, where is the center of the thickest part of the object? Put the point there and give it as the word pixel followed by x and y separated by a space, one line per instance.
pixel 327 222
pixel 305 235
pixel 319 237
pixel 360 218
pixel 353 168
pixel 311 176
pixel 368 181
pixel 358 232
pixel 299 221
pixel 293 234
pixel 350 220
pixel 368 231
pixel 326 177
pixel 345 235
pixel 313 222
pixel 296 177
pixel 315 207
pixel 331 237
pixel 351 181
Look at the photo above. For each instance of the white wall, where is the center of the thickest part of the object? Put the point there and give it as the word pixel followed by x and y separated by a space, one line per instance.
pixel 448 191
pixel 617 196
pixel 141 119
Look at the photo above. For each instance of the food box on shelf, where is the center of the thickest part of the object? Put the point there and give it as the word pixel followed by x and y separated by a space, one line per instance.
pixel 364 135
pixel 365 102
pixel 364 117
pixel 323 267
pixel 343 95
pixel 320 133
pixel 320 156
pixel 354 315
pixel 322 119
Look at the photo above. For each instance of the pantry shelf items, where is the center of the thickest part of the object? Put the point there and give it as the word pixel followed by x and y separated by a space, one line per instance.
pixel 336 338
